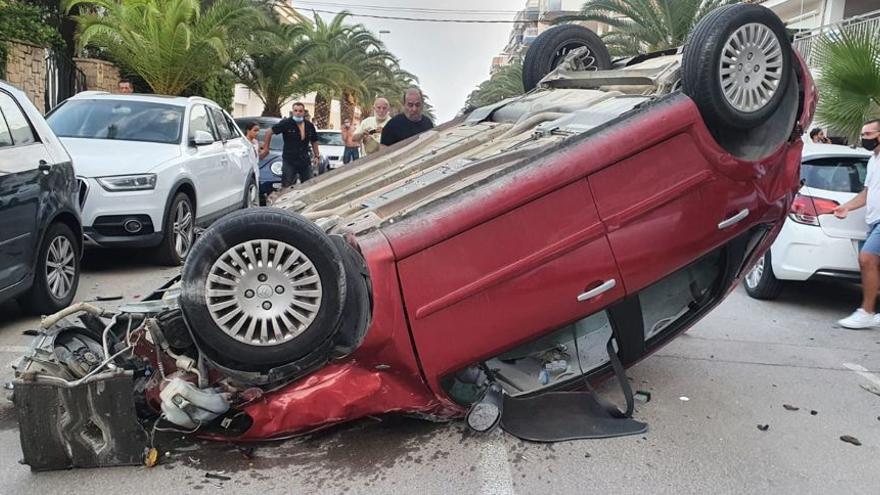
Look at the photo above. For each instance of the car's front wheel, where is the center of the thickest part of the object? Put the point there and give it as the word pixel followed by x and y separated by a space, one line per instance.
pixel 251 194
pixel 179 230
pixel 57 272
pixel 760 282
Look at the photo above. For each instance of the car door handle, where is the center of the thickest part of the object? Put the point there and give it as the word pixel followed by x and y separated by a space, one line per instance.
pixel 590 294
pixel 730 222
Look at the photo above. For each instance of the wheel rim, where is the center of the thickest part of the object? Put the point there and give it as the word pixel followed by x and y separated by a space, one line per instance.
pixel 753 278
pixel 751 67
pixel 263 292
pixel 60 267
pixel 182 229
pixel 253 197
pixel 588 59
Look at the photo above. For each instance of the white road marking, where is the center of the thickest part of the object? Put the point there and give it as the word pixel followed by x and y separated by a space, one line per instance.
pixel 495 468
pixel 864 373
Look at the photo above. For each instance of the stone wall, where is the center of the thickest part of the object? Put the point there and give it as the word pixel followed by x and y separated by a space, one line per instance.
pixel 26 70
pixel 100 74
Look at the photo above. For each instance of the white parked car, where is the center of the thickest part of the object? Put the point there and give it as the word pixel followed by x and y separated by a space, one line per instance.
pixel 813 243
pixel 332 146
pixel 152 168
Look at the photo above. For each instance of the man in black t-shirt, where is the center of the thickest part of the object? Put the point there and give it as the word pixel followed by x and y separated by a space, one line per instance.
pixel 298 135
pixel 410 122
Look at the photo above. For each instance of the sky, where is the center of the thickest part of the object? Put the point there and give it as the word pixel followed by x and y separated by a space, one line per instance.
pixel 450 60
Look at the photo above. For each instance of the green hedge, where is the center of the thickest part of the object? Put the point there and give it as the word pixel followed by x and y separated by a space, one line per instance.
pixel 24 22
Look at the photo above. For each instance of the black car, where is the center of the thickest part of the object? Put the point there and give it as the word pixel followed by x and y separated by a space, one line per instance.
pixel 40 229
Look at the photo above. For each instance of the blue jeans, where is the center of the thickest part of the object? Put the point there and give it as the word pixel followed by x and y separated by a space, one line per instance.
pixel 872 243
pixel 351 154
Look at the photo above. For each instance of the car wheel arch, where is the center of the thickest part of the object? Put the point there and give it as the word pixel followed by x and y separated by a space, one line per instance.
pixel 185 186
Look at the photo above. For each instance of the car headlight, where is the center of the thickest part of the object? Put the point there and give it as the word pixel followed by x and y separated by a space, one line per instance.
pixel 277 168
pixel 128 182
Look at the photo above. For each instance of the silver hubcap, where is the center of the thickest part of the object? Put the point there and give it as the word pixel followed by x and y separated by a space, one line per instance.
pixel 751 67
pixel 753 278
pixel 182 229
pixel 263 292
pixel 60 267
pixel 253 197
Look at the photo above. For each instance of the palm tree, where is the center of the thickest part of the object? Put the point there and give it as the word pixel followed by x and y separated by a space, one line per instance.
pixel 646 25
pixel 276 68
pixel 849 82
pixel 503 84
pixel 171 44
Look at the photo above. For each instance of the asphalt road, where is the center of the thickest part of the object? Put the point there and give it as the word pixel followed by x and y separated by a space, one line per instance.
pixel 710 389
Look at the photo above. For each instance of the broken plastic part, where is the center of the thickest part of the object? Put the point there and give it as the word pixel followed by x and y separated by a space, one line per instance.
pixel 188 406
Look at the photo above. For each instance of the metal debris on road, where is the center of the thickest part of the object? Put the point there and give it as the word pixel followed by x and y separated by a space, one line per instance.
pixel 789 407
pixel 683 398
pixel 219 477
pixel 850 439
pixel 763 427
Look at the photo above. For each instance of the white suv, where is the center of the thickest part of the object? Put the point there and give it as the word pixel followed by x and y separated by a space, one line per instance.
pixel 152 168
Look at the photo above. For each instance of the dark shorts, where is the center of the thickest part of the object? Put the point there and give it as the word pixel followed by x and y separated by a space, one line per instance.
pixel 295 168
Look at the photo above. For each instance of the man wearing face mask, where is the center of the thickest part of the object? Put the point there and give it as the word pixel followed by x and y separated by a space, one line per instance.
pixel 869 256
pixel 409 123
pixel 298 134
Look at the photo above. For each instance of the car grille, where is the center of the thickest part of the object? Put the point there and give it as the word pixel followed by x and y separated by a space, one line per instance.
pixel 83 191
pixel 333 158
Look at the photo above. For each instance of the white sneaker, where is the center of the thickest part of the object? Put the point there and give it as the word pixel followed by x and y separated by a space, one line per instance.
pixel 860 319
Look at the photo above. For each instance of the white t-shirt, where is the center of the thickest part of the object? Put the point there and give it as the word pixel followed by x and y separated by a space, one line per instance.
pixel 371 141
pixel 872 184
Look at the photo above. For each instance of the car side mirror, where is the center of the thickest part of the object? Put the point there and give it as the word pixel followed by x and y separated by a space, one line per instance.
pixel 202 138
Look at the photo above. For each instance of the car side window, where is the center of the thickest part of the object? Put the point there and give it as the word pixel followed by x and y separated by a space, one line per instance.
pixel 16 122
pixel 220 122
pixel 5 136
pixel 198 121
pixel 236 132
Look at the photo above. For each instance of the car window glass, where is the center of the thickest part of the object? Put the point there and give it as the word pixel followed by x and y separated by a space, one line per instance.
pixel 18 125
pixel 118 119
pixel 841 174
pixel 561 356
pixel 233 129
pixel 677 296
pixel 277 142
pixel 330 139
pixel 198 121
pixel 5 136
pixel 220 123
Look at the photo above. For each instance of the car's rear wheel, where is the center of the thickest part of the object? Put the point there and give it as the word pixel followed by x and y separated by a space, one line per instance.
pixel 760 282
pixel 264 288
pixel 180 223
pixel 736 66
pixel 552 46
pixel 56 277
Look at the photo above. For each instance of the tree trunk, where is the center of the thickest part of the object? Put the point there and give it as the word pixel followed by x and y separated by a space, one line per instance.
pixel 321 119
pixel 346 106
pixel 272 109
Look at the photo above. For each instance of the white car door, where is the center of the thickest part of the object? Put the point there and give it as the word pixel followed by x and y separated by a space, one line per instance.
pixel 241 155
pixel 205 163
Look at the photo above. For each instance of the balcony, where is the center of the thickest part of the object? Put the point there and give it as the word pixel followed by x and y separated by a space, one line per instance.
pixel 804 41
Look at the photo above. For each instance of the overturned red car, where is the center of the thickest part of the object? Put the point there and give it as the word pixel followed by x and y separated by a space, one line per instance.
pixel 513 251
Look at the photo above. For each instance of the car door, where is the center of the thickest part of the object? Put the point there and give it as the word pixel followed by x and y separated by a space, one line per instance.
pixel 24 165
pixel 237 157
pixel 206 164
pixel 509 280
pixel 663 205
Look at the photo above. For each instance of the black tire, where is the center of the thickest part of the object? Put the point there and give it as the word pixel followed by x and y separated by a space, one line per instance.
pixel 702 66
pixel 251 188
pixel 551 46
pixel 40 299
pixel 166 252
pixel 271 225
pixel 767 286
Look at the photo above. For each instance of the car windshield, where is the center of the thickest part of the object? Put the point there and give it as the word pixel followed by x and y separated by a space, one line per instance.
pixel 330 138
pixel 277 143
pixel 122 120
pixel 839 174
